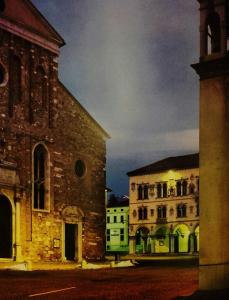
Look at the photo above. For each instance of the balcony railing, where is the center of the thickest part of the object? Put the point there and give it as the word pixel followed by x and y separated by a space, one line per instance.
pixel 161 220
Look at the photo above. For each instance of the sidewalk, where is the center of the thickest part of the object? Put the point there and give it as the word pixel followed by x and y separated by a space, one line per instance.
pixel 156 257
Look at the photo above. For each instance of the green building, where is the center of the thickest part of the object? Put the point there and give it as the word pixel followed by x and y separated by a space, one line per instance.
pixel 117 221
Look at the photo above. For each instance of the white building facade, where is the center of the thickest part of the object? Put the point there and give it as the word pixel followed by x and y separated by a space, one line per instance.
pixel 117 217
pixel 164 207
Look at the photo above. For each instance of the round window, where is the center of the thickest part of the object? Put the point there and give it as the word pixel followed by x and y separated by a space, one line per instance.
pixel 3 75
pixel 80 168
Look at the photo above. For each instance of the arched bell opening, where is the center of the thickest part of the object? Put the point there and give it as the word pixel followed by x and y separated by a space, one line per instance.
pixel 213 34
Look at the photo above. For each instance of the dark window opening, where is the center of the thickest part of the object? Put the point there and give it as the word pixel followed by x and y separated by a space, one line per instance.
pixel 213 33
pixel 115 219
pixel 181 211
pixel 121 234
pixel 145 213
pixel 159 190
pixel 146 195
pixel 122 219
pixel 80 168
pixel 184 188
pixel 108 219
pixel 39 177
pixel 140 214
pixel 178 186
pixel 161 212
pixel 139 192
pixel 164 188
pixel 108 235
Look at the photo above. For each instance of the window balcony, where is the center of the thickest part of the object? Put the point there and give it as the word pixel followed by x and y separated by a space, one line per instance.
pixel 161 220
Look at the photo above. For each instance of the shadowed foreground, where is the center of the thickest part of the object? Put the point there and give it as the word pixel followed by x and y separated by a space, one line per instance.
pixel 142 282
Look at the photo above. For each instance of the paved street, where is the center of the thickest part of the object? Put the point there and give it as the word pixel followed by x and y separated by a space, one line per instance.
pixel 152 281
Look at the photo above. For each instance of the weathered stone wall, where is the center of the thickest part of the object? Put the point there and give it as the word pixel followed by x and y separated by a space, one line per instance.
pixel 69 133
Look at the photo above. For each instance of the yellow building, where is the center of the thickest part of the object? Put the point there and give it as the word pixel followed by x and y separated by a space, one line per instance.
pixel 164 206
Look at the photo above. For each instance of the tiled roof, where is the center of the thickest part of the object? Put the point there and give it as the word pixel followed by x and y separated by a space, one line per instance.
pixel 121 203
pixel 177 162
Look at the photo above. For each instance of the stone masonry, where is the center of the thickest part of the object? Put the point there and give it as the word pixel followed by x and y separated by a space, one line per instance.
pixel 46 113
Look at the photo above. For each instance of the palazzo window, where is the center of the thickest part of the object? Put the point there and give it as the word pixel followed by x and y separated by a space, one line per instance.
pixel 181 210
pixel 161 212
pixel 142 213
pixel 178 186
pixel 145 213
pixel 41 178
pixel 158 190
pixel 145 192
pixel 182 187
pixel 162 190
pixel 108 219
pixel 139 192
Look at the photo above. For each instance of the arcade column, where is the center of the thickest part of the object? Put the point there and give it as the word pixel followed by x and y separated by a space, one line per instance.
pixel 213 70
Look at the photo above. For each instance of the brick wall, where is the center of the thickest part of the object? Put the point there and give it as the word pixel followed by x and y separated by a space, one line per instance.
pixel 69 133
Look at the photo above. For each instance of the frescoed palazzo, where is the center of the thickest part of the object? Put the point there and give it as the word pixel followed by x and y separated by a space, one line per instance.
pixel 164 207
pixel 166 240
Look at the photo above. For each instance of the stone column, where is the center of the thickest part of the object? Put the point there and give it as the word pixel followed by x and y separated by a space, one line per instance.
pixel 18 230
pixel 80 230
pixel 143 242
pixel 213 70
pixel 191 242
pixel 131 244
pixel 171 243
pixel 152 244
pixel 214 188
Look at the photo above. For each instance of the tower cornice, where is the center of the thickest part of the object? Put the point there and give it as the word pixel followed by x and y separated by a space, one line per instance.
pixel 212 68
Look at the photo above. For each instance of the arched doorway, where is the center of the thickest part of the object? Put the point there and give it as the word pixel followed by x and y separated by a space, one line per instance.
pixel 72 233
pixel 142 240
pixel 181 238
pixel 162 240
pixel 5 228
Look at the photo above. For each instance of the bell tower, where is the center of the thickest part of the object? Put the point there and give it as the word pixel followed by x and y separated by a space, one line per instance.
pixel 213 70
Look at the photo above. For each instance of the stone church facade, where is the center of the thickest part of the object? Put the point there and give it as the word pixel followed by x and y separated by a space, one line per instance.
pixel 52 152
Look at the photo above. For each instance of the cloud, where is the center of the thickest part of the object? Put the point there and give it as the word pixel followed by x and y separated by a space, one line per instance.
pixel 132 145
pixel 128 63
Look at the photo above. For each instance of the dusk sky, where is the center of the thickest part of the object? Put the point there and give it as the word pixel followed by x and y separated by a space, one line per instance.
pixel 128 63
